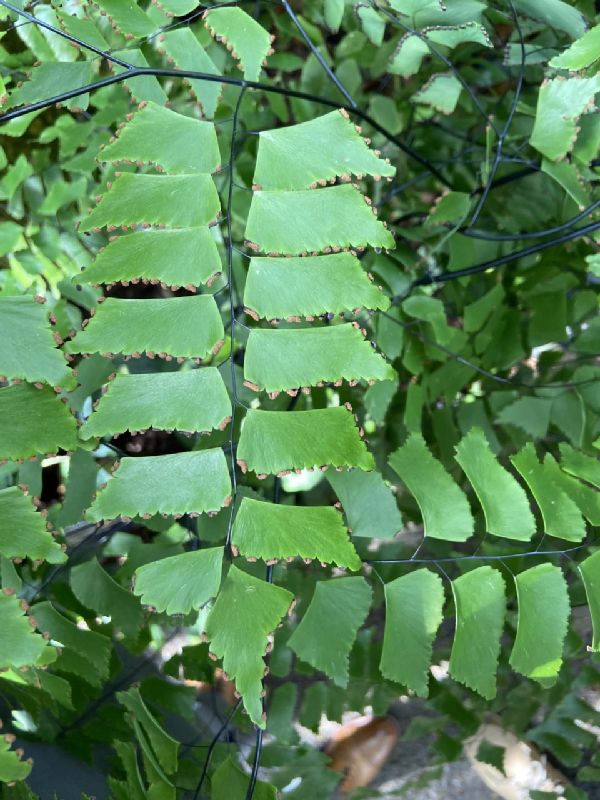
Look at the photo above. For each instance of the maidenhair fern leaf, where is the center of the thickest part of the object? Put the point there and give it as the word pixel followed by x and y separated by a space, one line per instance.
pixel 561 516
pixel 98 591
pixel 178 584
pixel 480 602
pixel 197 402
pixel 230 782
pixel 441 93
pixel 585 497
pixel 176 8
pixel 245 38
pixel 164 747
pixel 505 504
pixel 34 421
pixel 144 87
pixel 271 532
pixel 298 223
pixel 194 482
pixel 127 17
pixel 181 257
pixel 183 49
pixel 368 503
pixel 23 532
pixel 414 604
pixel 590 573
pixel 182 327
pixel 307 287
pixel 581 54
pixel 444 506
pixel 326 632
pixel 411 49
pixel 288 159
pixel 181 201
pixel 174 142
pixel 11 767
pixel 277 360
pixel 542 624
pixel 28 350
pixel 49 79
pixel 560 104
pixel 272 442
pixel 579 464
pixel 21 645
pixel 246 611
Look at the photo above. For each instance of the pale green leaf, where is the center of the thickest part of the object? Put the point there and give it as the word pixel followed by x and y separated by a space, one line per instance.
pixel 505 504
pixel 590 574
pixel 480 602
pixel 296 223
pixel 414 605
pixel 411 48
pixel 181 201
pixel 554 13
pixel 186 53
pixel 182 257
pixel 560 104
pixel 444 506
pixel 11 766
pixel 174 142
pixel 197 402
pixel 34 421
pixel 271 532
pixel 441 92
pixel 373 24
pixel 164 747
pixel 50 79
pixel 581 54
pixel 288 159
pixel 23 532
pixel 184 327
pixel 326 632
pixel 178 584
pixel 96 590
pixel 248 41
pixel 408 55
pixel 277 360
pixel 246 611
pixel 451 207
pixel 561 516
pixel 28 350
pixel 21 645
pixel 178 8
pixel 276 441
pixel 230 782
pixel 580 464
pixel 308 287
pixel 333 11
pixel 144 87
pixel 368 503
pixel 586 498
pixel 84 29
pixel 192 482
pixel 127 17
pixel 542 625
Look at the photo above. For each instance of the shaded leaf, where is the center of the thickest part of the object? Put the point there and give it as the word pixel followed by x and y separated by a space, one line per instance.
pixel 21 645
pixel 186 52
pixel 368 503
pixel 441 92
pixel 50 79
pixel 23 532
pixel 590 574
pixel 560 104
pixel 165 748
pixel 229 782
pixel 248 41
pixel 579 464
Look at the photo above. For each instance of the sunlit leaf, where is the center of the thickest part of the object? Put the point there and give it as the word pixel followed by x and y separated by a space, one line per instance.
pixel 23 532
pixel 248 41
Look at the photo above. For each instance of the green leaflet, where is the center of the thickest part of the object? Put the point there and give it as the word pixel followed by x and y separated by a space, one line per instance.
pixel 277 360
pixel 177 8
pixel 444 506
pixel 505 504
pixel 184 327
pixel 91 650
pixel 245 612
pixel 197 402
pixel 579 464
pixel 441 92
pixel 554 13
pixel 590 574
pixel 303 287
pixel 373 24
pixel 178 584
pixel 21 645
pixel 96 590
pixel 127 17
pixel 181 257
pixel 269 531
pixel 542 625
pixel 248 41
pixel 84 29
pixel 480 602
pixel 50 79
pixel 326 633
pixel 174 142
pixel 411 49
pixel 585 497
pixel 288 159
pixel 297 223
pixel 164 747
pixel 229 782
pixel 368 503
pixel 194 482
pixel 34 421
pixel 413 615
pixel 185 51
pixel 531 414
pixel 277 441
pixel 11 766
pixel 23 532
pixel 580 54
pixel 180 201
pixel 28 350
pixel 560 104
pixel 144 87
pixel 561 516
